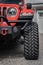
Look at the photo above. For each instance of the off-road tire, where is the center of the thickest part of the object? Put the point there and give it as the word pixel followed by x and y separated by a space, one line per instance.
pixel 31 43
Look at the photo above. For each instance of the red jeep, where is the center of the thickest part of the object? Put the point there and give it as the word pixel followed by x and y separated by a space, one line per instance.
pixel 16 25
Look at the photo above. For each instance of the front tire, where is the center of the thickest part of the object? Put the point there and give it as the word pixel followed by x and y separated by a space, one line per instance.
pixel 31 44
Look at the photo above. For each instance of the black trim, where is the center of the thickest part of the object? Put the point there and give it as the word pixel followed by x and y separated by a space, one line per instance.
pixel 0 13
pixel 26 17
pixel 29 6
pixel 4 11
pixel 19 21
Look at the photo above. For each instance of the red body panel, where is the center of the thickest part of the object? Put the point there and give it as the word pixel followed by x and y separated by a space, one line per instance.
pixel 24 10
pixel 3 24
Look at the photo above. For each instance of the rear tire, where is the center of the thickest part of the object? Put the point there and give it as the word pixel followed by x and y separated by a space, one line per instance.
pixel 31 44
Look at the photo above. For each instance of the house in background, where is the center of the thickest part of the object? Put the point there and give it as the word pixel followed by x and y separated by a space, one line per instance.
pixel 37 5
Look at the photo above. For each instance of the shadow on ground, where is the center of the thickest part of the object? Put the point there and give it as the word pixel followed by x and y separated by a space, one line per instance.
pixel 14 51
pixel 14 55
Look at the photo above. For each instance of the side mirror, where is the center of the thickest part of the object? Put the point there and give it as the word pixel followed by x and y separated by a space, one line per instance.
pixel 29 6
